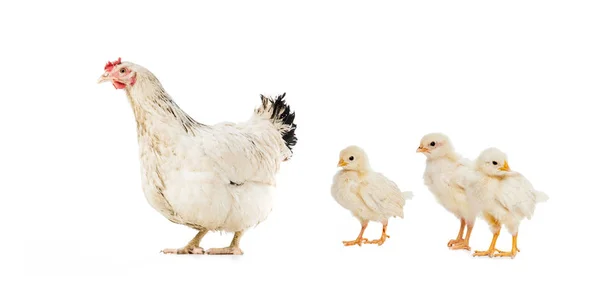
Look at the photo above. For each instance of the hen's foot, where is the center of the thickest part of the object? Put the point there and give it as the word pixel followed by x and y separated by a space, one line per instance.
pixel 184 250
pixel 460 245
pixel 225 250
pixel 358 241
pixel 379 241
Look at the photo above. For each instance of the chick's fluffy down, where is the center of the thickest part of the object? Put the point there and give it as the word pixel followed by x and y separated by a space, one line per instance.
pixel 370 196
pixel 500 195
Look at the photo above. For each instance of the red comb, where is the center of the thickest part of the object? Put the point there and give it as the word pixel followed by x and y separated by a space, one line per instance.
pixel 109 65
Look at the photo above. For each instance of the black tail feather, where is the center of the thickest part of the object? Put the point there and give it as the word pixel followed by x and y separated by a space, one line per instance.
pixel 281 112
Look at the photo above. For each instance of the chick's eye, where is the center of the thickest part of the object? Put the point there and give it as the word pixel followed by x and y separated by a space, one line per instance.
pixel 432 143
pixel 494 162
pixel 122 70
pixel 351 158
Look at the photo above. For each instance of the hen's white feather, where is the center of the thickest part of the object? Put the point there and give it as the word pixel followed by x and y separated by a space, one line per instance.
pixel 219 177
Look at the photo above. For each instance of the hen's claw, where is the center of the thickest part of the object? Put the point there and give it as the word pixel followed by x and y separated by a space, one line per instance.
pixel 184 250
pixel 358 241
pixel 225 251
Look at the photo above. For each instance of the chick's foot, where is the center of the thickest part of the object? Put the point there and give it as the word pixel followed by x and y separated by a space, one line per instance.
pixel 184 250
pixel 453 242
pixel 459 237
pixel 379 241
pixel 225 251
pixel 357 241
pixel 492 249
pixel 460 245
pixel 510 254
pixel 488 252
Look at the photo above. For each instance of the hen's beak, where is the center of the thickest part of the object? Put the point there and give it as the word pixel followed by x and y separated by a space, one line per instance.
pixel 505 168
pixel 421 149
pixel 342 163
pixel 105 77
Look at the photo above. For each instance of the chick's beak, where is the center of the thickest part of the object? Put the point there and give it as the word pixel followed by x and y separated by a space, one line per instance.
pixel 505 167
pixel 342 163
pixel 421 149
pixel 104 78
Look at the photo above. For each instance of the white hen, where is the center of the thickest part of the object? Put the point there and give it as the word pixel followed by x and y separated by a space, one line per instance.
pixel 501 196
pixel 208 177
pixel 369 195
pixel 444 177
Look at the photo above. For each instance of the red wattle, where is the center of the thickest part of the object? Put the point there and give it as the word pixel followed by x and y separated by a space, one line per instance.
pixel 118 85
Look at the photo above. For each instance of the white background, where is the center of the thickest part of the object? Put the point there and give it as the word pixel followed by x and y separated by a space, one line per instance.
pixel 518 75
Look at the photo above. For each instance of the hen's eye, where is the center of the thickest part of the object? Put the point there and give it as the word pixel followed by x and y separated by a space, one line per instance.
pixel 494 162
pixel 351 158
pixel 432 143
pixel 122 70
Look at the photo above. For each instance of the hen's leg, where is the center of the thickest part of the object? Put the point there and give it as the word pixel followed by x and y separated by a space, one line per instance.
pixel 384 236
pixel 193 247
pixel 513 251
pixel 464 244
pixel 459 237
pixel 232 249
pixel 359 240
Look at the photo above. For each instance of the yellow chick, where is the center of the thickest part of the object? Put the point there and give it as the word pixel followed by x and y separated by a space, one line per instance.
pixel 444 177
pixel 500 196
pixel 367 194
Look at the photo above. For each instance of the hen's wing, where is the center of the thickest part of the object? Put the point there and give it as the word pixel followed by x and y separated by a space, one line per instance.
pixel 244 152
pixel 383 195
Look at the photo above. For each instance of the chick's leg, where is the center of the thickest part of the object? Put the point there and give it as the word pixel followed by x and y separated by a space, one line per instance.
pixel 383 237
pixel 359 240
pixel 491 250
pixel 513 251
pixel 459 237
pixel 193 247
pixel 464 244
pixel 232 249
